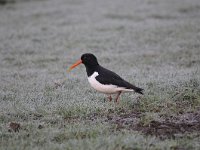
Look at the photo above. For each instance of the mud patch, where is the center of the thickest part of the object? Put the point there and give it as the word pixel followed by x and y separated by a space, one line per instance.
pixel 168 127
pixel 14 127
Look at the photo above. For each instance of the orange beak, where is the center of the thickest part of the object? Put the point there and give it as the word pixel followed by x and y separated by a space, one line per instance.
pixel 74 65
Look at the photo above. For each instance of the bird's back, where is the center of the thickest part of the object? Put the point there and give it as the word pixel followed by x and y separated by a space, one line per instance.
pixel 108 77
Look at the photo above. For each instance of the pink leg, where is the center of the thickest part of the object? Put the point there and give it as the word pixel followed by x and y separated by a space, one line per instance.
pixel 110 98
pixel 117 98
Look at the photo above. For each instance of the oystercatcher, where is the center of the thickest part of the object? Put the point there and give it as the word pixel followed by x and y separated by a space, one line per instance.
pixel 104 80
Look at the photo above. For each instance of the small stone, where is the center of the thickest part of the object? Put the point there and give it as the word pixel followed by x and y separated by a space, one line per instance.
pixel 40 126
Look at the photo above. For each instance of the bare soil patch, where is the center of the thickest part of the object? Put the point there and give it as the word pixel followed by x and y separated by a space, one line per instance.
pixel 168 127
pixel 14 127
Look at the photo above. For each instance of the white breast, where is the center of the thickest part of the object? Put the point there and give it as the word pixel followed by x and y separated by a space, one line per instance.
pixel 108 89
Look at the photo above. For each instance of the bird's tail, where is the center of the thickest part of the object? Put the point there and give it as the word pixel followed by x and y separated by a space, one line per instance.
pixel 138 90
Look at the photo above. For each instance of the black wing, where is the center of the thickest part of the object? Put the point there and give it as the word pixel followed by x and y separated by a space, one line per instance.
pixel 108 77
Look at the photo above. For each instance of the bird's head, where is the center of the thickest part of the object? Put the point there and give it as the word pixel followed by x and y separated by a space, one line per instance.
pixel 89 60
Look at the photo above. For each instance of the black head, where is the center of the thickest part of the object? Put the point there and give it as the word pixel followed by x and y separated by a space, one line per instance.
pixel 89 60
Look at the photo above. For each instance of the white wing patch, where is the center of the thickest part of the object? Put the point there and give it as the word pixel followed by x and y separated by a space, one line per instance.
pixel 108 89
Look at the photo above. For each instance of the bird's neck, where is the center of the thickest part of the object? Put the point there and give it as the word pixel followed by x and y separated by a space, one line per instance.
pixel 91 69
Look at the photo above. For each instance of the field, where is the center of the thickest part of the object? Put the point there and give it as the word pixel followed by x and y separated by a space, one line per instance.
pixel 154 44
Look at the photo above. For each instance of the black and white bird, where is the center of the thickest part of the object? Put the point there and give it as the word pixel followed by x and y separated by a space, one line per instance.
pixel 104 80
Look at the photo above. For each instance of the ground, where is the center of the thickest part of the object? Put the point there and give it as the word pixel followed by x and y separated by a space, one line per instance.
pixel 154 44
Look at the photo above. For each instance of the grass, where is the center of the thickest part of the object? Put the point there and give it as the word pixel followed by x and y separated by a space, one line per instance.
pixel 153 44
